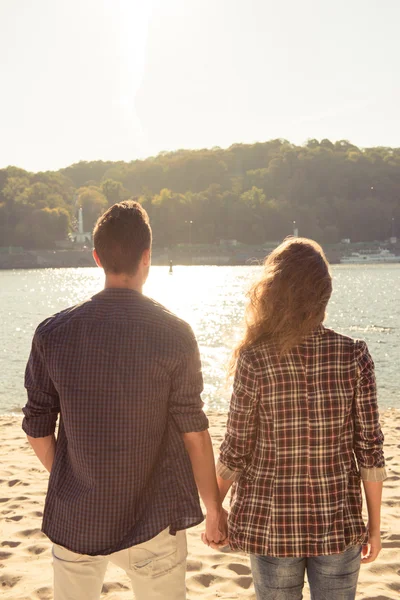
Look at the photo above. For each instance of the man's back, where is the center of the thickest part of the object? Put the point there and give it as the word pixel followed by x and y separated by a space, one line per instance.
pixel 125 375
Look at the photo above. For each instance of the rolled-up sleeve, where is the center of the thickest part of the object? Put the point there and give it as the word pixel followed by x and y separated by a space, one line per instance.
pixel 368 436
pixel 43 405
pixel 185 403
pixel 240 438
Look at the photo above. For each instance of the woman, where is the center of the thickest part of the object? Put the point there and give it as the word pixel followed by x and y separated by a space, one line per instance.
pixel 302 431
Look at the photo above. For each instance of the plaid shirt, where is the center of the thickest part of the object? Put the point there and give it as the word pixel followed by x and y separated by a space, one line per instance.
pixel 295 429
pixel 125 376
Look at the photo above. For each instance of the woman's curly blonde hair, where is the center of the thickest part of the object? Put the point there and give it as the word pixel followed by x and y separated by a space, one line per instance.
pixel 290 299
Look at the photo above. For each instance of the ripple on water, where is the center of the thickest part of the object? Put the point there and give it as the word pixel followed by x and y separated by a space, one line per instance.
pixel 365 304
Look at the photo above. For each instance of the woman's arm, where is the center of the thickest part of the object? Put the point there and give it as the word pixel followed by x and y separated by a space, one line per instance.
pixel 240 438
pixel 241 434
pixel 368 436
pixel 368 447
pixel 224 485
pixel 373 495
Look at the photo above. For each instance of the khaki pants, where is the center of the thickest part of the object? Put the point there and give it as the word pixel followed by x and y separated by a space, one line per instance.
pixel 156 568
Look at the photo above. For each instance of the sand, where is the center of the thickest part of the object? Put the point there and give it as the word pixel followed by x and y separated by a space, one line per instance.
pixel 25 553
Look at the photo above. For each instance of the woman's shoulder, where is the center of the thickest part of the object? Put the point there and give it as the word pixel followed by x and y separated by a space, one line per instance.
pixel 355 349
pixel 260 353
pixel 333 336
pixel 329 341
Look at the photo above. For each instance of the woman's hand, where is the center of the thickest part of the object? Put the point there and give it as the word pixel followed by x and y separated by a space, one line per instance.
pixel 216 533
pixel 371 550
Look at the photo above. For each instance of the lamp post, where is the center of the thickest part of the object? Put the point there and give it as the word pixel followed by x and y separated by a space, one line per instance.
pixel 190 223
pixel 393 238
pixel 295 230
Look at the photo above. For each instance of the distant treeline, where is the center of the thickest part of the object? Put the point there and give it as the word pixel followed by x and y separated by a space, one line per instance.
pixel 251 193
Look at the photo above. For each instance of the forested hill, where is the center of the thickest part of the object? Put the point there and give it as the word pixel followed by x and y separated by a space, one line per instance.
pixel 251 193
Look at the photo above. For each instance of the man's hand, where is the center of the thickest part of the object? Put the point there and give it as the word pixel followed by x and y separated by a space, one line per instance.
pixel 371 550
pixel 216 533
pixel 45 449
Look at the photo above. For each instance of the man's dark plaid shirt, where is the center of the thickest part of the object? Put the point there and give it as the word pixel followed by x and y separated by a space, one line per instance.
pixel 125 376
pixel 302 431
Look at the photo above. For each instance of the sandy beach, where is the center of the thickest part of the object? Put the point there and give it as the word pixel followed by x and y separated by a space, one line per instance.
pixel 25 553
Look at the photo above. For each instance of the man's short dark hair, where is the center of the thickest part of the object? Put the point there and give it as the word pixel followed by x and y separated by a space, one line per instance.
pixel 120 237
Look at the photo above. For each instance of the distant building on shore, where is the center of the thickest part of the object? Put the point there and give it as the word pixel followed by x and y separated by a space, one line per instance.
pixel 229 243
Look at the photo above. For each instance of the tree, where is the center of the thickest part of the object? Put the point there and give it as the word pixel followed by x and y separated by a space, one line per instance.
pixel 14 188
pixel 251 192
pixel 40 195
pixel 169 216
pixel 114 191
pixel 93 204
pixel 254 198
pixel 41 228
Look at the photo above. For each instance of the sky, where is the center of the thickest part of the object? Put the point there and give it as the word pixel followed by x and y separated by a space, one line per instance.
pixel 127 79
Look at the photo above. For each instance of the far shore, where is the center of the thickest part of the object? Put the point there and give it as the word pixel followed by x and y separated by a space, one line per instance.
pixel 229 254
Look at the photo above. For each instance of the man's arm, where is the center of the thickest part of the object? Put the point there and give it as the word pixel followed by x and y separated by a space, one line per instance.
pixel 45 449
pixel 186 410
pixel 43 405
pixel 199 448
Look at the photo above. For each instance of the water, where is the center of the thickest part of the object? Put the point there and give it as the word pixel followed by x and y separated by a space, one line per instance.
pixel 365 304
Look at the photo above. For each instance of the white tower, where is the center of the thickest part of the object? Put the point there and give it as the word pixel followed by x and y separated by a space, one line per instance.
pixel 80 221
pixel 80 236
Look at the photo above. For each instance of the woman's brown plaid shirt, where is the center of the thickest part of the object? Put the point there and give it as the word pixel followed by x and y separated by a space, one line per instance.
pixel 297 429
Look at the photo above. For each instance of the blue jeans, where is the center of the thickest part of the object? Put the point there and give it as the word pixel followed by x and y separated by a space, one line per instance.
pixel 332 577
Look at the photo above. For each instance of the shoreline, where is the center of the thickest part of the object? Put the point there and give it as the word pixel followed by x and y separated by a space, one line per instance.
pixel 206 255
pixel 228 253
pixel 25 553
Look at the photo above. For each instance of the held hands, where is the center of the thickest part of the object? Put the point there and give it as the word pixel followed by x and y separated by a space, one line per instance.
pixel 216 533
pixel 371 550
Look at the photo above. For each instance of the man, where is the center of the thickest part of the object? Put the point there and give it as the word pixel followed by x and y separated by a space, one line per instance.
pixel 124 375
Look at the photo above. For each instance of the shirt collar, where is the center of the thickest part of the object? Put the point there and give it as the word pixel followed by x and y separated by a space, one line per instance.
pixel 118 293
